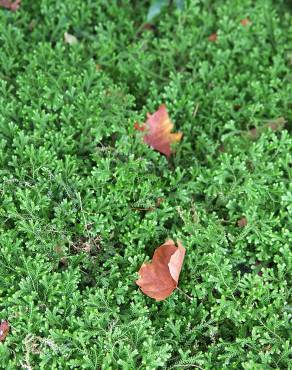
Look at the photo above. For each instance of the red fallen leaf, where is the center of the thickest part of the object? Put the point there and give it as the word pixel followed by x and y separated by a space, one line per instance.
pixel 158 131
pixel 4 330
pixel 138 127
pixel 213 37
pixel 245 22
pixel 159 278
pixel 242 222
pixel 8 4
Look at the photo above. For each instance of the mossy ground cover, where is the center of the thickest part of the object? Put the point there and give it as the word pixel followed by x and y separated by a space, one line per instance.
pixel 76 182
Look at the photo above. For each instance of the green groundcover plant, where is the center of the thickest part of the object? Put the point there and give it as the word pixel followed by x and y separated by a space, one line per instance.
pixel 77 182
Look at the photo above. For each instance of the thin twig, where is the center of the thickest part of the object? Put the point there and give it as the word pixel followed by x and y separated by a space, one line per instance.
pixel 195 110
pixel 189 297
pixel 188 365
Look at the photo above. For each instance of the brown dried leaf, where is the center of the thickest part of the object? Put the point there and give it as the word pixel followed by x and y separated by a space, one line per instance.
pixel 159 278
pixel 242 222
pixel 246 22
pixel 4 330
pixel 158 131
pixel 8 4
pixel 213 37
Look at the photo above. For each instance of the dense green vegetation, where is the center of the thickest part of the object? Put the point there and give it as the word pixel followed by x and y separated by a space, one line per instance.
pixel 74 175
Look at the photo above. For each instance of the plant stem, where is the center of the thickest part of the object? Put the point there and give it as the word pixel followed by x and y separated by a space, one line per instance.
pixel 188 296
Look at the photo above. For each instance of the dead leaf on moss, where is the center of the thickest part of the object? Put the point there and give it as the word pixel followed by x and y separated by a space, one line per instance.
pixel 157 130
pixel 87 245
pixel 159 278
pixel 139 127
pixel 213 37
pixel 242 222
pixel 11 5
pixel 4 330
pixel 246 22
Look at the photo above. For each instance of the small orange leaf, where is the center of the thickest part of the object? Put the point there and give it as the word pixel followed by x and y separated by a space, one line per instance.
pixel 139 127
pixel 4 330
pixel 8 4
pixel 245 22
pixel 159 278
pixel 158 131
pixel 213 37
